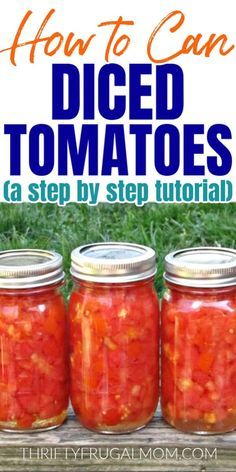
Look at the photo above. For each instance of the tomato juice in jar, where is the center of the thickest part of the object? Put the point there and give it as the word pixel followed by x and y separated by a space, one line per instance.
pixel 114 336
pixel 199 340
pixel 33 341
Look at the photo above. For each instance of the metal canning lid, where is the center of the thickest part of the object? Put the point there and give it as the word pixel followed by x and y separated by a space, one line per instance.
pixel 113 262
pixel 28 268
pixel 205 267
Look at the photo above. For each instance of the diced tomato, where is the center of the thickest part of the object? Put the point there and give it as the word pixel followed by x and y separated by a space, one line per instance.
pixel 199 383
pixel 28 402
pixel 33 357
pixel 205 361
pixel 50 410
pixel 25 421
pixel 24 383
pixel 100 326
pixel 111 417
pixel 112 353
pixel 24 350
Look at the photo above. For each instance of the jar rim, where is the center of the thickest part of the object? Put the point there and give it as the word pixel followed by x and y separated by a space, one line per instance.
pixel 203 267
pixel 29 268
pixel 113 262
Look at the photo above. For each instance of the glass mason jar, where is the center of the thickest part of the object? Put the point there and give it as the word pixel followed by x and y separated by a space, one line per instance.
pixel 114 337
pixel 199 340
pixel 33 341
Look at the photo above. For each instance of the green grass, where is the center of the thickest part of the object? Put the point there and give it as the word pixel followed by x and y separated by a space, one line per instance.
pixel 163 227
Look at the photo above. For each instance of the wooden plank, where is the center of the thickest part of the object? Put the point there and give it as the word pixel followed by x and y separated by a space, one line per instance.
pixel 158 447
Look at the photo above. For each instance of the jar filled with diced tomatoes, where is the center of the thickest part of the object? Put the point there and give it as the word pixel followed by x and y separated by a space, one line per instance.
pixel 33 341
pixel 114 336
pixel 199 340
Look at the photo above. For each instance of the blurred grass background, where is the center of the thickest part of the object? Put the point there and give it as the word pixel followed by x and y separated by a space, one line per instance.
pixel 163 227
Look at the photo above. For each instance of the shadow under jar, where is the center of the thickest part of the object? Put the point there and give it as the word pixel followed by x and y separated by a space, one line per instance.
pixel 199 340
pixel 33 341
pixel 114 337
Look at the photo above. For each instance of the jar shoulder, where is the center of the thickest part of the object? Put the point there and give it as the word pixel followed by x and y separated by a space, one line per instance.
pixel 193 300
pixel 13 305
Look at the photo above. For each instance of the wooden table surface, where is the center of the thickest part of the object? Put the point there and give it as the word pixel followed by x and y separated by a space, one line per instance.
pixel 157 447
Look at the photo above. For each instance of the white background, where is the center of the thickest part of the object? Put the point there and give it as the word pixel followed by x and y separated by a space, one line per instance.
pixel 25 90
